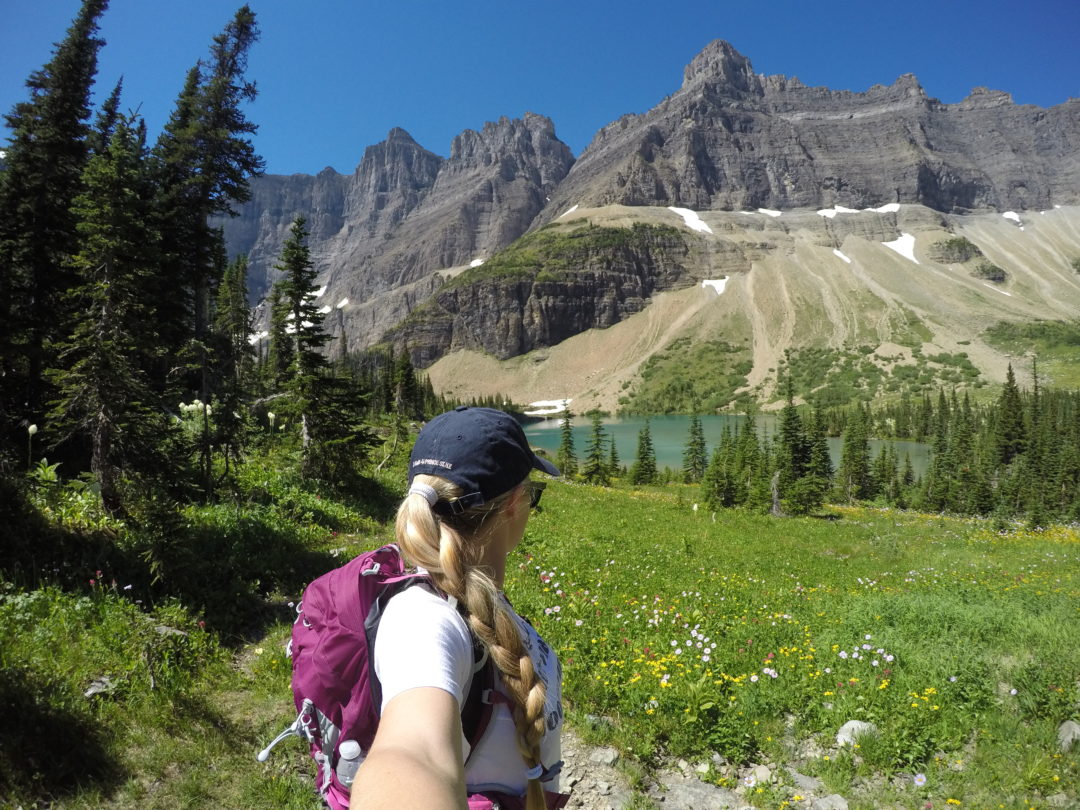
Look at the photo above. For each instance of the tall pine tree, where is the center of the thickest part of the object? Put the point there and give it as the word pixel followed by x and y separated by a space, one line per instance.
pixel 643 470
pixel 45 160
pixel 304 325
pixel 565 456
pixel 595 470
pixel 103 393
pixel 205 158
pixel 695 454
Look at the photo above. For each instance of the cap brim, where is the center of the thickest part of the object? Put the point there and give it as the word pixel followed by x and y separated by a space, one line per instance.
pixel 542 464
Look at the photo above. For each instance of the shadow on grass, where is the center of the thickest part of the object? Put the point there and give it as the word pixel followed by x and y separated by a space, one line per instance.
pixel 223 570
pixel 47 752
pixel 236 567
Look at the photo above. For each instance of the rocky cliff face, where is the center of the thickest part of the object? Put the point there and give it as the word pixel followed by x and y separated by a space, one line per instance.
pixel 406 211
pixel 548 287
pixel 731 139
pixel 728 140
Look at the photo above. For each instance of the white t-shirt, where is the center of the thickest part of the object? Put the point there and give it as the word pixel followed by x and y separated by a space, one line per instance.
pixel 424 641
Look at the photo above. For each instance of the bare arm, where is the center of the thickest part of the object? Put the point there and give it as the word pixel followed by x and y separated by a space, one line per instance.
pixel 416 759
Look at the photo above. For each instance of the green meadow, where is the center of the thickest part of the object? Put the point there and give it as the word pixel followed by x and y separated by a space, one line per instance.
pixel 683 634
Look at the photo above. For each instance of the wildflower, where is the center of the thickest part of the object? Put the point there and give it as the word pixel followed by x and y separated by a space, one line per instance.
pixel 920 779
pixel 32 429
pixel 753 679
pixel 749 780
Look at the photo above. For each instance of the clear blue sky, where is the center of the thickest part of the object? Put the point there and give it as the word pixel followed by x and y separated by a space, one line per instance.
pixel 336 75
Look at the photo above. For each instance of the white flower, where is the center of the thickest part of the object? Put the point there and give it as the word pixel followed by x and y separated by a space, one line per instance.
pixel 32 429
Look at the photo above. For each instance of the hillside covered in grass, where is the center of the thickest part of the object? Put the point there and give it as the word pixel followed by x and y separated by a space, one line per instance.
pixel 728 638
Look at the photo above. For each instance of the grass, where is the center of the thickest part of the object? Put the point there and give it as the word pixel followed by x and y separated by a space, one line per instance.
pixel 687 633
pixel 757 637
pixel 689 377
pixel 1055 343
pixel 559 253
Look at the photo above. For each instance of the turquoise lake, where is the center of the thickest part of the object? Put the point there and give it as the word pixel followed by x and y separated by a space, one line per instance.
pixel 669 435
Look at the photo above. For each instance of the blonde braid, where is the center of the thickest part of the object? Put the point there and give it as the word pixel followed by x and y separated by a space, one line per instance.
pixel 450 549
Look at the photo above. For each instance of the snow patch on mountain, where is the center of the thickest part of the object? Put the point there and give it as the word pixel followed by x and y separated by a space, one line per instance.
pixel 692 220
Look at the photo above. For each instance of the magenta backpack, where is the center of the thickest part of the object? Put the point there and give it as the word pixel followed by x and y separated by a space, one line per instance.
pixel 337 695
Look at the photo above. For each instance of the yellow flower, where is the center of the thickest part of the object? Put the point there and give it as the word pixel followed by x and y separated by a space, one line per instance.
pixel 952 801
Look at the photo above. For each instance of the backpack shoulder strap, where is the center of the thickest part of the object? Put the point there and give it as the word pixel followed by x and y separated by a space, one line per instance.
pixel 482 697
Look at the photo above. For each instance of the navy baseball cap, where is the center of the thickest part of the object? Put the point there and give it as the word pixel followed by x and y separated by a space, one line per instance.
pixel 482 450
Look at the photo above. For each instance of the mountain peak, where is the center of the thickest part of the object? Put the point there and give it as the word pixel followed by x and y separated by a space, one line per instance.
pixel 719 63
pixel 398 134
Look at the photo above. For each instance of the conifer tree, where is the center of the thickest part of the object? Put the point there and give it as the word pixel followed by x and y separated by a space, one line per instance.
pixel 565 457
pixel 595 470
pixel 744 459
pixel 695 454
pixel 1010 437
pixel 718 485
pixel 234 358
pixel 279 346
pixel 328 409
pixel 614 464
pixel 820 461
pixel 105 122
pixel 104 395
pixel 853 474
pixel 407 395
pixel 643 470
pixel 304 326
pixel 205 158
pixel 45 159
pixel 792 447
